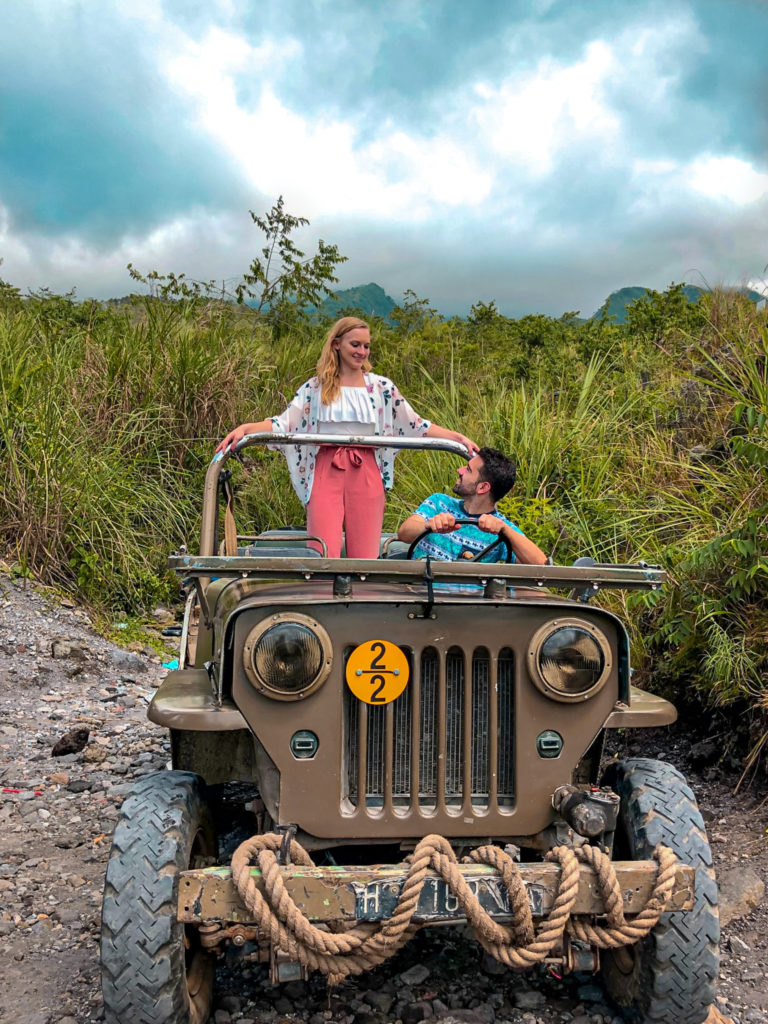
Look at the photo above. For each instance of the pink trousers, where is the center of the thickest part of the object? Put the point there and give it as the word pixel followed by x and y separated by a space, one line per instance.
pixel 347 491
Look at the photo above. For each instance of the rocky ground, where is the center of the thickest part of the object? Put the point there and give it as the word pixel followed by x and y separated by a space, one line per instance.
pixel 57 814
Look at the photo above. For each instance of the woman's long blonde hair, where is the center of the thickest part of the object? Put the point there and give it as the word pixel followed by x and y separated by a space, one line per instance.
pixel 329 366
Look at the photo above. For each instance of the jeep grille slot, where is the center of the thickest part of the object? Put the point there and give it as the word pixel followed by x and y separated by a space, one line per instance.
pixel 467 717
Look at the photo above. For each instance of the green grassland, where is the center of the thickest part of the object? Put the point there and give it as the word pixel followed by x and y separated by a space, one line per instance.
pixel 641 440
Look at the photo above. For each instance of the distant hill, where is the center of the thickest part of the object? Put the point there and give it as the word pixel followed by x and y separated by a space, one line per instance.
pixel 619 300
pixel 370 298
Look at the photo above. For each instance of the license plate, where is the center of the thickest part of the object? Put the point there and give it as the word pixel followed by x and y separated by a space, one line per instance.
pixel 376 901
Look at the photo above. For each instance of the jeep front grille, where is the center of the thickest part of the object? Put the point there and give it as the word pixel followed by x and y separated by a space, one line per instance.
pixel 393 753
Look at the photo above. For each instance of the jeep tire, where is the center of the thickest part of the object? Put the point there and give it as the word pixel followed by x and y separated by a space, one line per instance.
pixel 153 969
pixel 669 977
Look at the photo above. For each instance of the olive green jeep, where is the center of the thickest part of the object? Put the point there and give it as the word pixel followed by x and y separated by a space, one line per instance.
pixel 410 743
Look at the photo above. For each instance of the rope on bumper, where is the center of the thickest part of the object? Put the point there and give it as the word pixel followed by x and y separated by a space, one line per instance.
pixel 518 944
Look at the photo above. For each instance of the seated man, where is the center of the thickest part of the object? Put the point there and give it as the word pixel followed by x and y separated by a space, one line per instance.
pixel 486 478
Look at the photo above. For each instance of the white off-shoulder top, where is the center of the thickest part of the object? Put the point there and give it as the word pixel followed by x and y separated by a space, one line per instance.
pixel 351 413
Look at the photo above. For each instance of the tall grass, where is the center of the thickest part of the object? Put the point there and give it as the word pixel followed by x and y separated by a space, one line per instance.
pixel 104 432
pixel 631 444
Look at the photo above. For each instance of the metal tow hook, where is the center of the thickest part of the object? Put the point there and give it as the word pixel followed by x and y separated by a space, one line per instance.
pixel 289 834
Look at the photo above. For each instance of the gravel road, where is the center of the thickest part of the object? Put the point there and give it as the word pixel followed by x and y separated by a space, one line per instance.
pixel 57 815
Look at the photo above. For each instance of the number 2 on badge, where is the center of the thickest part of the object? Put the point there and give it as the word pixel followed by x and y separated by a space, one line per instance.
pixel 377 672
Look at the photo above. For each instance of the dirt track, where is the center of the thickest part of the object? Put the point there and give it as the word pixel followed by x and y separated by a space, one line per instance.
pixel 57 814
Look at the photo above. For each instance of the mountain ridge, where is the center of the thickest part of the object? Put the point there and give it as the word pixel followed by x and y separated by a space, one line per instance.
pixel 372 300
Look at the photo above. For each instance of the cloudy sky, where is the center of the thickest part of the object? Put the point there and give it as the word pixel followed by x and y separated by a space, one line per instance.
pixel 539 153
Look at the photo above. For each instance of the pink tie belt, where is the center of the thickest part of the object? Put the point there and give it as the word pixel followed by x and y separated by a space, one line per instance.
pixel 343 458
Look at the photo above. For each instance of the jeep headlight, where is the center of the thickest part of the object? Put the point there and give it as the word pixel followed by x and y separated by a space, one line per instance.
pixel 570 659
pixel 287 656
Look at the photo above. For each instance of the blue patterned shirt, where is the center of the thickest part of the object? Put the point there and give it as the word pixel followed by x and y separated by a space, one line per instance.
pixel 450 547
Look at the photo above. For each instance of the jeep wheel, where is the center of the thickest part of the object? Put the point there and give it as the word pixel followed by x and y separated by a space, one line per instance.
pixel 669 977
pixel 153 969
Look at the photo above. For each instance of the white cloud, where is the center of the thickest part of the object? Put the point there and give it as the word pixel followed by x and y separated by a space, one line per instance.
pixel 529 120
pixel 14 250
pixel 490 146
pixel 728 177
pixel 501 170
pixel 198 243
pixel 319 164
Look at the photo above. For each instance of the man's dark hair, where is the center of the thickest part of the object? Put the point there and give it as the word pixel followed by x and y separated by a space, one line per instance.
pixel 498 470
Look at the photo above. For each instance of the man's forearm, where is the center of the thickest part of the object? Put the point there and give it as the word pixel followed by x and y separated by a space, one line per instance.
pixel 525 550
pixel 410 529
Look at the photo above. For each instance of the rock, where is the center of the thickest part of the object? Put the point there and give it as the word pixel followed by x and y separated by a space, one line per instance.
pixel 741 890
pixel 482 1014
pixel 528 999
pixel 58 778
pixel 67 842
pixel 61 649
pixel 705 752
pixel 67 915
pixel 381 1001
pixel 79 785
pixel 739 945
pixel 126 661
pixel 71 742
pixel 418 1011
pixel 415 975
pixel 94 754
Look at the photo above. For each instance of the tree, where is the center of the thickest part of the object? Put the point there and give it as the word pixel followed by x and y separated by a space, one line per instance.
pixel 173 286
pixel 10 295
pixel 484 314
pixel 283 281
pixel 658 315
pixel 414 313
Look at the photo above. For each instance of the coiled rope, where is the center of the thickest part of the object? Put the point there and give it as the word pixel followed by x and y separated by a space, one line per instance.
pixel 517 944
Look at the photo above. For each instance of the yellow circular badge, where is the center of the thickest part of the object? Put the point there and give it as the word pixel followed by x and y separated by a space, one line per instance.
pixel 377 672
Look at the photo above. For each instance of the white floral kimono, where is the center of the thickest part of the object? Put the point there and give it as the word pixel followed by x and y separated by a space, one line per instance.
pixel 393 417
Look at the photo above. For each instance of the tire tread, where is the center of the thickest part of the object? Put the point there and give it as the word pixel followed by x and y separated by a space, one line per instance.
pixel 142 955
pixel 681 954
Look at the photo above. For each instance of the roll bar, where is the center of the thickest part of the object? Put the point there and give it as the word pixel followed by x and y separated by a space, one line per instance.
pixel 268 437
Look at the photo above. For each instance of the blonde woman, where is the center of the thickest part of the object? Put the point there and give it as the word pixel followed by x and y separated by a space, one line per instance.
pixel 343 488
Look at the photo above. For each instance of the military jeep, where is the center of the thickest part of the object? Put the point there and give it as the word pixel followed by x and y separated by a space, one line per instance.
pixel 410 743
